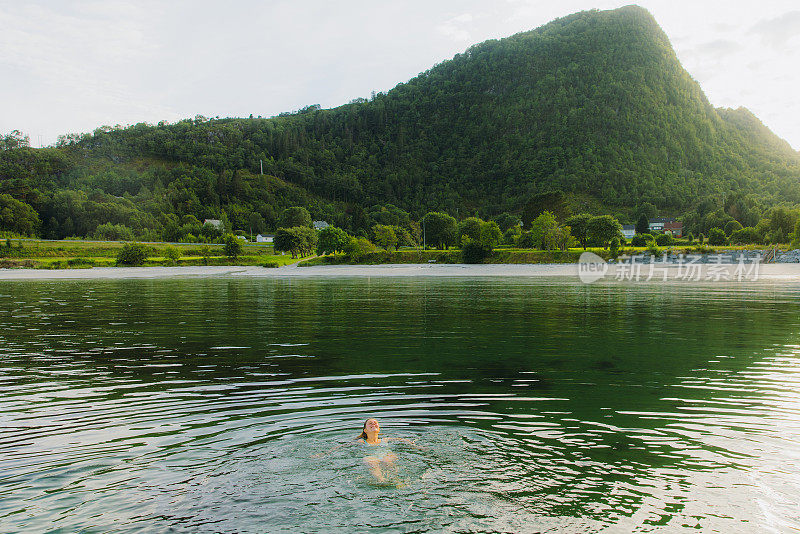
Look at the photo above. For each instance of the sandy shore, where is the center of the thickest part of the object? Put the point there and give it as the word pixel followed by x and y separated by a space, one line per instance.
pixel 706 273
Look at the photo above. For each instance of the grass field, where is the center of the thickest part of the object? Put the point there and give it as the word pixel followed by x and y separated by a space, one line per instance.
pixel 507 255
pixel 74 254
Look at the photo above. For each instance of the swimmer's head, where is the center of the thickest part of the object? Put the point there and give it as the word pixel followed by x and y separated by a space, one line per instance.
pixel 371 427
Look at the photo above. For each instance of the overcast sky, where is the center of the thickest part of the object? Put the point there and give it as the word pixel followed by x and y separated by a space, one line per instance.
pixel 73 66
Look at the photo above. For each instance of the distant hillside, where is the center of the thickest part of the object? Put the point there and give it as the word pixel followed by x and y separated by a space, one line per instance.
pixel 594 106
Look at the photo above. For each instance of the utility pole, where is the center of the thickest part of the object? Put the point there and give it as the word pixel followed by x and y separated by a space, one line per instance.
pixel 261 161
pixel 424 235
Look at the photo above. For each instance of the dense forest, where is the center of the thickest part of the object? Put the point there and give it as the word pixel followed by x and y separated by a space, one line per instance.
pixel 591 112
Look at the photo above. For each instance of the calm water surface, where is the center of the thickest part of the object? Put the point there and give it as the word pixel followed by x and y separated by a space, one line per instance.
pixel 202 405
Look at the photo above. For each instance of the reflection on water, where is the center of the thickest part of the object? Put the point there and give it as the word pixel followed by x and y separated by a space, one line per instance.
pixel 540 406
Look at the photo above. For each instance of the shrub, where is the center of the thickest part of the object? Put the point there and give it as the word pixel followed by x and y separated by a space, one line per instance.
pixel 132 254
pixel 664 240
pixel 358 246
pixel 732 226
pixel 173 254
pixel 272 264
pixel 474 251
pixel 614 247
pixel 641 240
pixel 716 236
pixel 233 246
pixel 512 235
pixel 526 240
pixel 746 236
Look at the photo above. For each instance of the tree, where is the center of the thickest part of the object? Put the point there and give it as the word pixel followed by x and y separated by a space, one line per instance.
pixel 745 236
pixel 331 240
pixel 132 254
pixel 113 232
pixel 469 228
pixel 298 240
pixel 233 246
pixel 439 229
pixel 542 228
pixel 505 221
pixel 404 238
pixel 384 236
pixel 17 216
pixel 579 225
pixel 490 235
pixel 603 229
pixel 512 235
pixel 547 234
pixel 295 216
pixel 642 224
pixel 732 226
pixel 716 236
pixel 358 246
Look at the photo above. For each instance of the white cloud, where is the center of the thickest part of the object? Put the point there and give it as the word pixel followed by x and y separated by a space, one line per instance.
pixel 454 28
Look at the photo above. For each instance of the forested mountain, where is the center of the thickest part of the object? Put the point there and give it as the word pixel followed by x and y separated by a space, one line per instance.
pixel 593 107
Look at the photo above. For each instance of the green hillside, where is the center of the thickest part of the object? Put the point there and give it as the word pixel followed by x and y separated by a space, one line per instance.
pixel 594 107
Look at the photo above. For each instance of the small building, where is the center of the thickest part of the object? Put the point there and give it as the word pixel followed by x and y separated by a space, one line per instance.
pixel 265 238
pixel 628 230
pixel 666 224
pixel 674 227
pixel 216 223
pixel 657 224
pixel 319 225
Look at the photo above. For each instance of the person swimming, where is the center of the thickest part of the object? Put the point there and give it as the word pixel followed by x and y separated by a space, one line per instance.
pixel 381 459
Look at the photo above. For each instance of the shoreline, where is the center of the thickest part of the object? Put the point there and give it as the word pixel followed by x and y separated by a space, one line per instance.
pixel 771 271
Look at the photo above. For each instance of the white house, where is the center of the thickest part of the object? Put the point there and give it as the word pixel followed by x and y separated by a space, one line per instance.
pixel 628 230
pixel 319 225
pixel 216 223
pixel 264 238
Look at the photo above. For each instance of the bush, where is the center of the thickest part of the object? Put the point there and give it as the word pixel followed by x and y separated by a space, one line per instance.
pixel 641 240
pixel 732 226
pixel 512 235
pixel 132 254
pixel 746 236
pixel 233 246
pixel 652 248
pixel 474 251
pixel 526 240
pixel 716 236
pixel 664 240
pixel 272 264
pixel 173 254
pixel 614 247
pixel 358 246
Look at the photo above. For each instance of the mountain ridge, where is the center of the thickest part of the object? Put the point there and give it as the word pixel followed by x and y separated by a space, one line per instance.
pixel 595 105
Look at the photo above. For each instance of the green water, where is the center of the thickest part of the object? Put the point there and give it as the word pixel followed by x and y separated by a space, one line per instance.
pixel 200 405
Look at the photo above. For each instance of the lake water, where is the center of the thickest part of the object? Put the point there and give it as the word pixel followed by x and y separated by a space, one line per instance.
pixel 202 405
